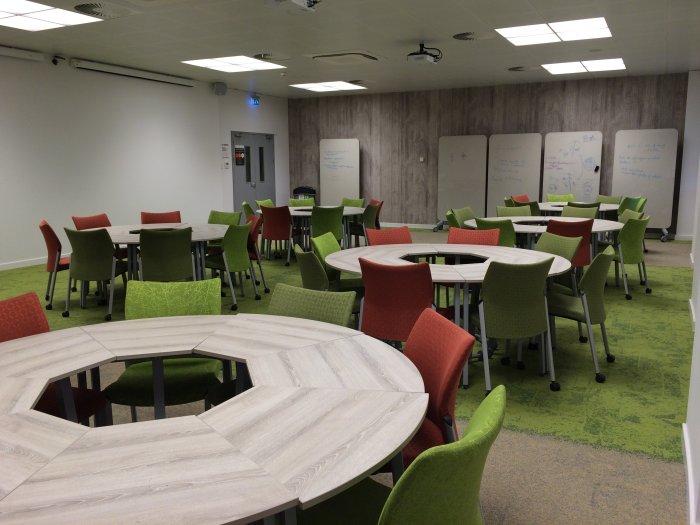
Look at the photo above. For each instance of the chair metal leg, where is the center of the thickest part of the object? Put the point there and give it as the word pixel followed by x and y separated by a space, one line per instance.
pixel 231 286
pixel 134 416
pixel 48 286
pixel 608 356
pixel 543 359
pixel 108 317
pixel 554 386
pixel 241 278
pixel 66 311
pixel 646 279
pixel 624 275
pixel 600 378
pixel 253 280
pixel 485 349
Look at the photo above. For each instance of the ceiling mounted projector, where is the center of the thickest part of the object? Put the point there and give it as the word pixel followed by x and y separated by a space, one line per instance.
pixel 425 55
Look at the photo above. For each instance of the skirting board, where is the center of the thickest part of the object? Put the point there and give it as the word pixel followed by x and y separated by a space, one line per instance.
pixel 24 262
pixel 692 503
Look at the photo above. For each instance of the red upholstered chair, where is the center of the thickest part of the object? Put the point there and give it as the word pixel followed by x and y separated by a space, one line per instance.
pixel 277 226
pixel 395 296
pixel 439 349
pixel 400 235
pixel 253 251
pixel 54 262
pixel 148 217
pixel 465 236
pixel 521 198
pixel 91 221
pixel 23 316
pixel 575 229
pixel 379 204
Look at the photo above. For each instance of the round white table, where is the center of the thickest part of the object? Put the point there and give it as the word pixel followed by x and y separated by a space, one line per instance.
pixel 555 207
pixel 328 406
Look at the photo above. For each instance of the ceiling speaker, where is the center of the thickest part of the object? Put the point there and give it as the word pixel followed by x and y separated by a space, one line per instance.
pixel 220 88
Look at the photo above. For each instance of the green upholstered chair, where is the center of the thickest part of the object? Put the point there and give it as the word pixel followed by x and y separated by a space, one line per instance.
pixel 265 202
pixel 630 250
pixel 452 220
pixel 235 259
pixel 317 305
pixel 513 211
pixel 305 202
pixel 325 220
pixel 186 379
pixel 224 217
pixel 560 197
pixel 588 306
pixel 578 211
pixel 324 245
pixel 166 255
pixel 629 214
pixel 313 275
pixel 369 220
pixel 565 247
pixel 511 202
pixel 93 259
pixel 507 235
pixel 355 203
pixel 247 210
pixel 608 199
pixel 514 307
pixel 595 205
pixel 457 216
pixel 440 486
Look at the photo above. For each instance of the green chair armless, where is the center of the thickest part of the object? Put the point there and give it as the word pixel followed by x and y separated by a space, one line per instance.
pixel 513 211
pixel 560 197
pixel 630 250
pixel 228 218
pixel 629 203
pixel 166 255
pixel 305 202
pixel 452 220
pixel 329 307
pixel 369 220
pixel 354 203
pixel 578 211
pixel 565 247
pixel 505 226
pixel 313 275
pixel 325 220
pixel 266 202
pixel 324 245
pixel 608 199
pixel 247 210
pixel 463 214
pixel 629 214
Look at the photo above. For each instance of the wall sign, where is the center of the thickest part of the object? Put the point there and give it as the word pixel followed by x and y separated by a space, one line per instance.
pixel 239 155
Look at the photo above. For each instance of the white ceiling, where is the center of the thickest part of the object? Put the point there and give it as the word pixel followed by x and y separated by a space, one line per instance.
pixel 652 36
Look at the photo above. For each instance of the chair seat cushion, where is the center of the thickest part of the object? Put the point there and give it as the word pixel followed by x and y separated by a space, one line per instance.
pixel 64 263
pixel 87 402
pixel 186 379
pixel 429 435
pixel 567 306
pixel 216 262
pixel 358 505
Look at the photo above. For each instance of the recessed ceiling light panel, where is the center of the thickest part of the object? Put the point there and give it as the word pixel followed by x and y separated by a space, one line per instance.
pixel 532 30
pixel 563 68
pixel 533 39
pixel 22 7
pixel 31 16
pixel 608 64
pixel 63 17
pixel 234 64
pixel 568 30
pixel 27 24
pixel 328 86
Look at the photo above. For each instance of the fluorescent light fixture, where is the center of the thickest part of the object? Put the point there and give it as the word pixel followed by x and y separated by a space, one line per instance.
pixel 562 68
pixel 328 86
pixel 235 64
pixel 129 72
pixel 25 54
pixel 583 29
pixel 608 64
pixel 31 16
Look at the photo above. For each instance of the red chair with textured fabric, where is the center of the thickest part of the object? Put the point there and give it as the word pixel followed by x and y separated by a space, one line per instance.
pixel 54 262
pixel 439 349
pixel 401 235
pixel 87 222
pixel 378 204
pixel 395 296
pixel 521 198
pixel 23 316
pixel 575 229
pixel 465 236
pixel 277 226
pixel 165 217
pixel 253 250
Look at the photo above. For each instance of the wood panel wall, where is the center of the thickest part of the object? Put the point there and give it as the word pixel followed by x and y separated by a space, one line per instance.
pixel 397 129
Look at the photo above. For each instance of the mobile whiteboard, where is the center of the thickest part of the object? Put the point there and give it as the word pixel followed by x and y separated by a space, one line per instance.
pixel 645 164
pixel 461 174
pixel 514 167
pixel 572 164
pixel 340 170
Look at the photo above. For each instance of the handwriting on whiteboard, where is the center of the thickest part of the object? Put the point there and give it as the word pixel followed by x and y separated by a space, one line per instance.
pixel 336 160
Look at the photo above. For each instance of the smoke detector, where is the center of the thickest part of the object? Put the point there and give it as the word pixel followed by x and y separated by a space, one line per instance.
pixel 425 55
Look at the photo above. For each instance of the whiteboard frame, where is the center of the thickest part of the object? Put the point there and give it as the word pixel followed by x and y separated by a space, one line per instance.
pixel 462 163
pixel 339 176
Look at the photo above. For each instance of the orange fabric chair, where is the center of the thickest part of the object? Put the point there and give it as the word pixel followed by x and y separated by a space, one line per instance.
pixel 23 316
pixel 575 229
pixel 521 198
pixel 465 236
pixel 439 349
pixel 379 204
pixel 400 235
pixel 54 262
pixel 395 296
pixel 148 217
pixel 91 221
pixel 277 226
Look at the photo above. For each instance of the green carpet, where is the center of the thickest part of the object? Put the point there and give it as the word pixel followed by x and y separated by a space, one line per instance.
pixel 638 409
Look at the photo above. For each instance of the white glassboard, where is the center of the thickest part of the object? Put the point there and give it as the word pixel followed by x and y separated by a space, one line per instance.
pixel 572 164
pixel 645 164
pixel 461 174
pixel 514 167
pixel 340 170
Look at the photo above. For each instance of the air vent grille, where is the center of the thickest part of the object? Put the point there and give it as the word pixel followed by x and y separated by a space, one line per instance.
pixel 103 10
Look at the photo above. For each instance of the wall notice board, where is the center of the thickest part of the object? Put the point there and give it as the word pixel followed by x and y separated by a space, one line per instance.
pixel 461 174
pixel 645 164
pixel 514 168
pixel 572 164
pixel 339 170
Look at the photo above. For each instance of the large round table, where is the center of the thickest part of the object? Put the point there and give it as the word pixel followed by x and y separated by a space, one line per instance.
pixel 328 406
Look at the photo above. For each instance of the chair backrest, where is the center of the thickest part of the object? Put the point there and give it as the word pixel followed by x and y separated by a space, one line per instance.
pixel 53 245
pixel 313 275
pixel 324 245
pixel 355 203
pixel 631 239
pixel 157 299
pixel 577 211
pixel 329 307
pixel 463 214
pixel 452 220
pixel 22 316
pixel 277 223
pixel 379 204
pixel 235 246
pixel 395 296
pixel 507 235
pixel 254 232
pixel 560 197
pixel 306 201
pixel 513 298
pixel 325 220
pixel 580 229
pixel 513 211
pixel 442 485
pixel 265 202
pixel 563 246
pixel 224 217
pixel 400 235
pixel 629 203
pixel 608 199
pixel 247 209
pixel 166 255
pixel 369 216
pixel 642 204
pixel 509 202
pixel 92 254
pixel 592 284
pixel 86 222
pixel 629 214
pixel 439 348
pixel 464 236
pixel 595 205
pixel 520 198
pixel 165 217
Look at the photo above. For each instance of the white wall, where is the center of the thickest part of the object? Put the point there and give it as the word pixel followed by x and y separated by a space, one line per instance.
pixel 691 153
pixel 76 142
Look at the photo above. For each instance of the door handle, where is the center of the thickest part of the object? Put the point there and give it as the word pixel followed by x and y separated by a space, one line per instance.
pixel 252 184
